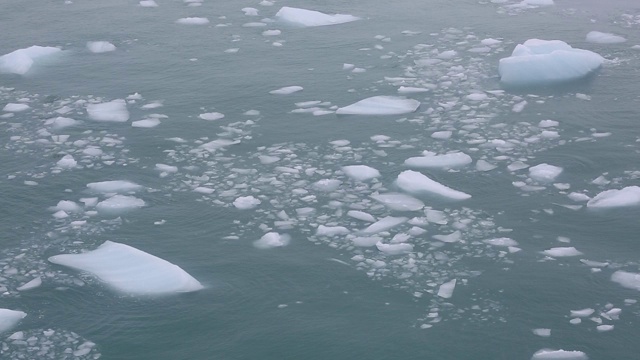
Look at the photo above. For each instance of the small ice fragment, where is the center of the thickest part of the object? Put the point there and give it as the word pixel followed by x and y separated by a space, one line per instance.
pixel 562 252
pixel 67 162
pixel 546 354
pixel 442 135
pixel 166 168
pixel 582 312
pixel 626 279
pixel 544 172
pixel 399 202
pixel 100 46
pixel 212 116
pixel 113 111
pixel 503 241
pixel 286 90
pixel 331 230
pixel 272 240
pixel 114 186
pixel 193 21
pixel 13 107
pixel 148 3
pixel 603 328
pixel 119 203
pixel 360 172
pixel 446 290
pixel 380 105
pixel 36 282
pixel 444 161
pixel 542 332
pixel 246 202
pixel 449 238
pixel 303 17
pixel 394 249
pixel 361 215
pixel 415 182
pixel 146 123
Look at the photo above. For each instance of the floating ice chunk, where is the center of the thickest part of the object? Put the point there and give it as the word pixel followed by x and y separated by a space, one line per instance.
pixel 399 202
pixel 490 42
pixel 114 186
pixel 130 270
pixel 249 11
pixel 483 165
pixel 100 46
pixel 562 252
pixel 272 240
pixel 303 17
pixel 67 162
pixel 477 97
pixel 212 116
pixel 9 319
pixel 193 21
pixel 166 168
pixel 246 202
pixel 411 90
pixel 146 123
pixel 442 135
pixel 548 123
pixel 627 279
pixel 361 215
pixel 331 230
pixel 542 332
pixel 394 249
pixel 544 172
pixel 383 224
pixel 445 161
pixel 327 185
pixel 448 54
pixel 68 206
pixel 537 2
pixel 540 62
pixel 20 61
pixel 31 284
pixel 13 107
pixel 361 172
pixel 286 90
pixel 582 312
pixel 366 241
pixel 148 3
pixel 504 241
pixel 119 203
pixel 114 111
pixel 546 354
pixel 59 123
pixel 628 196
pixel 271 32
pixel 380 105
pixel 204 190
pixel 415 182
pixel 603 328
pixel 446 290
pixel 604 38
pixel 449 238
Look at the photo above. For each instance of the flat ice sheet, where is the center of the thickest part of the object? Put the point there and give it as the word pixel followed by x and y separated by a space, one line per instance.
pixel 129 270
pixel 380 105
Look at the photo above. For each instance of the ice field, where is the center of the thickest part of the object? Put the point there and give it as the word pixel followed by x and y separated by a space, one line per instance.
pixel 303 180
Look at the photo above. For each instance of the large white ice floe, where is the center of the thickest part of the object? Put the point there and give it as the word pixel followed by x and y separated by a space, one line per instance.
pixel 9 319
pixel 20 61
pixel 444 161
pixel 130 270
pixel 628 196
pixel 381 105
pixel 112 111
pixel 446 290
pixel 415 182
pixel 542 62
pixel 627 279
pixel 304 18
pixel 114 186
pixel 547 354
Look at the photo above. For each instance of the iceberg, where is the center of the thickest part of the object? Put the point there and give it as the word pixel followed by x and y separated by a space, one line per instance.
pixel 20 61
pixel 272 240
pixel 415 182
pixel 628 196
pixel 544 172
pixel 129 270
pixel 544 62
pixel 381 105
pixel 9 319
pixel 305 18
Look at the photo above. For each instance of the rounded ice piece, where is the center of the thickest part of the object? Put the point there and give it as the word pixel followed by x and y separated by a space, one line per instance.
pixel 100 46
pixel 503 241
pixel 246 202
pixel 272 240
pixel 193 21
pixel 544 172
pixel 112 111
pixel 543 62
pixel 381 105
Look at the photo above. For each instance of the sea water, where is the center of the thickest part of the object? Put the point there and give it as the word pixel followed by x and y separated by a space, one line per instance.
pixel 332 180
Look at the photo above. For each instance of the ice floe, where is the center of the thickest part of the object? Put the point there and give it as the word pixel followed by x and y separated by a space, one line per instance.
pixel 119 203
pixel 562 252
pixel 20 61
pixel 445 161
pixel 380 105
pixel 416 182
pixel 9 319
pixel 627 279
pixel 272 240
pixel 112 111
pixel 211 116
pixel 360 172
pixel 100 46
pixel 544 172
pixel 286 90
pixel 114 186
pixel 547 354
pixel 130 270
pixel 399 202
pixel 628 196
pixel 307 18
pixel 193 21
pixel 446 290
pixel 246 202
pixel 14 107
pixel 542 62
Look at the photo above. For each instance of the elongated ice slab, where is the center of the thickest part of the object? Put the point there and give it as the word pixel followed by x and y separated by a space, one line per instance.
pixel 13 107
pixel 383 224
pixel 114 186
pixel 562 252
pixel 415 182
pixel 20 61
pixel 381 105
pixel 544 172
pixel 10 318
pixel 112 111
pixel 451 160
pixel 394 249
pixel 130 270
pixel 627 279
pixel 546 354
pixel 286 90
pixel 542 62
pixel 304 18
pixel 193 21
pixel 628 196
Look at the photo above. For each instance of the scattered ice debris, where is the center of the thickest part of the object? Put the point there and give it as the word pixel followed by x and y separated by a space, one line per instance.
pixel 246 202
pixel 119 203
pixel 212 116
pixel 628 196
pixel 193 21
pixel 112 111
pixel 627 279
pixel 399 202
pixel 446 290
pixel 542 332
pixel 20 61
pixel 130 270
pixel 380 105
pixel 546 354
pixel 100 46
pixel 304 18
pixel 604 38
pixel 415 182
pixel 360 172
pixel 48 344
pixel 544 173
pixel 542 62
pixel 562 252
pixel 444 161
pixel 114 186
pixel 13 107
pixel 9 319
pixel 286 90
pixel 272 240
